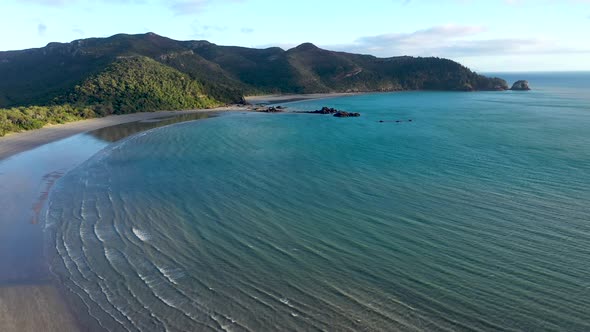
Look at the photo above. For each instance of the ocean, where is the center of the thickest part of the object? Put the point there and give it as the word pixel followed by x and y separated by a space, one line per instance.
pixel 472 213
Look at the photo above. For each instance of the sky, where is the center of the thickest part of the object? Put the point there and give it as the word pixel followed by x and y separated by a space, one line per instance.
pixel 485 35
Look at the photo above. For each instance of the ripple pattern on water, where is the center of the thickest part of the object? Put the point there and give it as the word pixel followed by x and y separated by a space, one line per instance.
pixel 471 217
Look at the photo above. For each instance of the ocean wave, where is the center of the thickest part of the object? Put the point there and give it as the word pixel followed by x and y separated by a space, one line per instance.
pixel 140 234
pixel 172 274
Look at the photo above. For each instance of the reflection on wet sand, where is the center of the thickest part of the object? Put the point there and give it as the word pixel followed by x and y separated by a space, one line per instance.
pixel 118 132
pixel 29 299
pixel 48 180
pixel 26 182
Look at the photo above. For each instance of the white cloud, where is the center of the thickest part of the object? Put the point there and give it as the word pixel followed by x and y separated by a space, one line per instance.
pixel 434 35
pixel 41 29
pixel 178 6
pixel 453 41
pixel 51 2
pixel 188 7
pixel 78 32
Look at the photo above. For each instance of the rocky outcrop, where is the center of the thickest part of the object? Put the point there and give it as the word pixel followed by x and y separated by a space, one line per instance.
pixel 324 110
pixel 335 112
pixel 270 109
pixel 342 114
pixel 521 85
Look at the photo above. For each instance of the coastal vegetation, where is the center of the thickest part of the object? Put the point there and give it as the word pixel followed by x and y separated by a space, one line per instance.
pixel 136 73
pixel 139 84
pixel 34 117
pixel 129 85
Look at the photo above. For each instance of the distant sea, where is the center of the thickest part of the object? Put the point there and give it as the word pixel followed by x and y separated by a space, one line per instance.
pixel 473 216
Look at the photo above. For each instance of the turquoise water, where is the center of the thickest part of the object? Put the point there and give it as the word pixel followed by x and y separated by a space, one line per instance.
pixel 472 217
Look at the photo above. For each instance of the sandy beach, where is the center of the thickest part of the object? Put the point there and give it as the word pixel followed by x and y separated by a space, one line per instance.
pixel 18 142
pixel 34 308
pixel 30 164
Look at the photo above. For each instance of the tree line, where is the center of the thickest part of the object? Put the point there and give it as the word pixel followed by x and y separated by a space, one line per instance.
pixel 129 85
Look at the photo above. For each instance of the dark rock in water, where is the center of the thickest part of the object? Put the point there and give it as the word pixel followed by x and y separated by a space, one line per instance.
pixel 337 113
pixel 270 109
pixel 396 121
pixel 324 110
pixel 342 114
pixel 521 85
pixel 274 110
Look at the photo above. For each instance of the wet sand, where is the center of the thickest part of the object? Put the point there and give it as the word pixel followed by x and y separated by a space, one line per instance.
pixel 30 300
pixel 19 142
pixel 34 308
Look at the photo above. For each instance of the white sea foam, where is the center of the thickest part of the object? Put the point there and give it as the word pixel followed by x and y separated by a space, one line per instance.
pixel 286 302
pixel 92 297
pixel 142 235
pixel 171 274
pixel 111 255
pixel 84 235
pixel 224 327
pixel 168 302
pixel 101 235
pixel 74 257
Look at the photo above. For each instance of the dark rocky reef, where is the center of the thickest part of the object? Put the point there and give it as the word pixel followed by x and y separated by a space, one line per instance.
pixel 343 114
pixel 270 109
pixel 335 112
pixel 396 121
pixel 521 85
pixel 324 110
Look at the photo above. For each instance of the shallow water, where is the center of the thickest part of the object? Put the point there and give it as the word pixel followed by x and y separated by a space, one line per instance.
pixel 473 216
pixel 118 132
pixel 25 182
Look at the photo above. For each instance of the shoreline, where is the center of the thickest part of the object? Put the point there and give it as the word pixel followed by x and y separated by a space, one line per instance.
pixel 31 297
pixel 289 98
pixel 15 143
pixel 31 162
pixel 38 307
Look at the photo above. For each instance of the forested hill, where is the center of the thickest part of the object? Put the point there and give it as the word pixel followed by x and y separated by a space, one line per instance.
pixel 60 72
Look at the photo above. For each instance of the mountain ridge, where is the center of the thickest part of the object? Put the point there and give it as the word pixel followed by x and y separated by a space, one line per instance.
pixel 39 76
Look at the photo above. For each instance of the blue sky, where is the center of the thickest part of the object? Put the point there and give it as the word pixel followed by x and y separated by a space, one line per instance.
pixel 485 35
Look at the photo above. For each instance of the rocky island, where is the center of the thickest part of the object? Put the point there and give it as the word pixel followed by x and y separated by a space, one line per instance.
pixel 521 85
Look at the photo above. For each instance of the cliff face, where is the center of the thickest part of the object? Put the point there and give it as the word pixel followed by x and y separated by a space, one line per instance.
pixel 226 73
